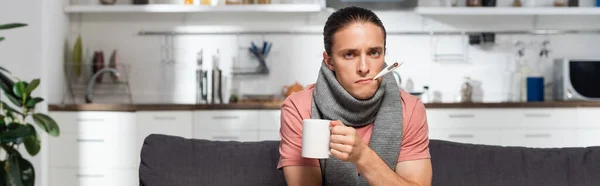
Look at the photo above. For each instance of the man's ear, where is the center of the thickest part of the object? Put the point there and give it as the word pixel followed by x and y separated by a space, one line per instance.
pixel 327 61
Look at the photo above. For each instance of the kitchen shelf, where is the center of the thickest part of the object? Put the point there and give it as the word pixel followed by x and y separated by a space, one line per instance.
pixel 506 11
pixel 166 8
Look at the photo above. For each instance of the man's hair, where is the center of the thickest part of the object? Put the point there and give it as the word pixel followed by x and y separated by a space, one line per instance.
pixel 346 16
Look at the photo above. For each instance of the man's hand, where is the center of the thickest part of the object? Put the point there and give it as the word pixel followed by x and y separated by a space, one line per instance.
pixel 345 144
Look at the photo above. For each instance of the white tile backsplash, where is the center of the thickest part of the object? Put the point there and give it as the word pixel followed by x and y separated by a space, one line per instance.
pixel 297 58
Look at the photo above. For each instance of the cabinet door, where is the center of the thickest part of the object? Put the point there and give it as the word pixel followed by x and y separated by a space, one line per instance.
pixel 176 123
pixel 473 136
pixel 468 118
pixel 95 122
pixel 269 136
pixel 587 137
pixel 229 136
pixel 548 118
pixel 588 118
pixel 226 120
pixel 97 177
pixel 542 138
pixel 269 120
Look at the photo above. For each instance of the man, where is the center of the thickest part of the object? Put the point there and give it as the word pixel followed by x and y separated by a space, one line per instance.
pixel 379 133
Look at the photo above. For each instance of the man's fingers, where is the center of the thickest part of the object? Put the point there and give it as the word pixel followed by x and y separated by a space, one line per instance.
pixel 334 123
pixel 341 147
pixel 341 130
pixel 338 154
pixel 347 140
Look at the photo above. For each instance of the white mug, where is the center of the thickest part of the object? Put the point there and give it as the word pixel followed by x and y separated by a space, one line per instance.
pixel 315 138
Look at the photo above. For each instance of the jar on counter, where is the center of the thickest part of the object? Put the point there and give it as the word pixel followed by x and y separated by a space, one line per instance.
pixel 474 3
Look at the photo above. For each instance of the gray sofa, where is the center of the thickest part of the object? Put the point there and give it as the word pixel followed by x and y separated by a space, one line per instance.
pixel 175 161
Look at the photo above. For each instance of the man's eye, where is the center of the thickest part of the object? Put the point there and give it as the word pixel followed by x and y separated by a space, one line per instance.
pixel 375 53
pixel 348 55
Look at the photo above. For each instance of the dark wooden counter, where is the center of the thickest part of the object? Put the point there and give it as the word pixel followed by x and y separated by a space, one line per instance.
pixel 277 105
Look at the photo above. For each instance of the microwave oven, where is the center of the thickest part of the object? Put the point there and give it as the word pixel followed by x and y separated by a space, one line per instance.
pixel 577 79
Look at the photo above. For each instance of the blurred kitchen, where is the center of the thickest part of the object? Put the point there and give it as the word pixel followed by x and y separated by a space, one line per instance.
pixel 500 72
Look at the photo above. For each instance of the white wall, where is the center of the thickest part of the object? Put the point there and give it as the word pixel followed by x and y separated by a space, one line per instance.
pixel 34 52
pixel 297 57
pixel 21 53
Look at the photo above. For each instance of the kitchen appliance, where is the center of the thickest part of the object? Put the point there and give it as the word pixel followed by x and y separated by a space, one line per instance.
pixel 576 79
pixel 201 80
pixel 373 4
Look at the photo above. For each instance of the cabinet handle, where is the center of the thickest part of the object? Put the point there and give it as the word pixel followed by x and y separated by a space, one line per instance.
pixel 164 117
pixel 461 115
pixel 537 115
pixel 90 175
pixel 91 140
pixel 225 137
pixel 461 136
pixel 226 117
pixel 90 119
pixel 537 135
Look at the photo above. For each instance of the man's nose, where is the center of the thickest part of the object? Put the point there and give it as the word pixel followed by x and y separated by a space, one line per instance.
pixel 363 68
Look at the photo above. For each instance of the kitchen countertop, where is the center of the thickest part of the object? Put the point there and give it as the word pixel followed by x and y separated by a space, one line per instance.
pixel 277 105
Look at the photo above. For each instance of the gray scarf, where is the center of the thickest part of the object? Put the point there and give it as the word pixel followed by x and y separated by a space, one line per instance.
pixel 332 102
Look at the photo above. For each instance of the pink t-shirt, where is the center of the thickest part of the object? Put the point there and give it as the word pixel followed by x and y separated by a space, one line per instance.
pixel 415 140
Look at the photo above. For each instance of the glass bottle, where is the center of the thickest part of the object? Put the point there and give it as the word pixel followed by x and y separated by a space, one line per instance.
pixel 466 91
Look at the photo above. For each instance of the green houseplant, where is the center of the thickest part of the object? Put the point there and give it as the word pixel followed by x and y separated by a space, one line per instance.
pixel 16 126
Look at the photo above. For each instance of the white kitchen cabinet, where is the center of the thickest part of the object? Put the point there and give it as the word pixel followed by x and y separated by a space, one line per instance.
pixel 534 118
pixel 269 136
pixel 588 118
pixel 97 177
pixel 473 136
pixel 469 118
pixel 93 140
pixel 176 123
pixel 545 138
pixel 588 137
pixel 226 120
pixel 228 136
pixel 94 148
pixel 270 122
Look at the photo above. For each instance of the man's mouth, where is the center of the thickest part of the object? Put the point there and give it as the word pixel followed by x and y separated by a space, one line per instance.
pixel 364 81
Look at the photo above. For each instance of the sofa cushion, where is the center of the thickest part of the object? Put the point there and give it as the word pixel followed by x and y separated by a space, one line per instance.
pixel 467 164
pixel 176 161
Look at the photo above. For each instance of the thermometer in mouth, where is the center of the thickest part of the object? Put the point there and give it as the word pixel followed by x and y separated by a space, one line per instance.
pixel 388 69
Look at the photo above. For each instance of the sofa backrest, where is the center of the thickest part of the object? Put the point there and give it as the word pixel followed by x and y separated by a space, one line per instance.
pixel 475 165
pixel 176 161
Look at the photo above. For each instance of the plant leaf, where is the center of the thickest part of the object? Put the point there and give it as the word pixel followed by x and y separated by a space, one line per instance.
pixel 32 102
pixel 10 109
pixel 27 172
pixel 48 124
pixel 1 38
pixel 32 142
pixel 12 169
pixel 31 86
pixel 14 100
pixel 3 69
pixel 19 89
pixel 12 25
pixel 16 133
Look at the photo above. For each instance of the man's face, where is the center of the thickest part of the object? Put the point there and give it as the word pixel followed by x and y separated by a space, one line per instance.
pixel 357 55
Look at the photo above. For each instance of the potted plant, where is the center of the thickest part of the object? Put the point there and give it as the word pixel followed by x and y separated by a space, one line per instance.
pixel 16 126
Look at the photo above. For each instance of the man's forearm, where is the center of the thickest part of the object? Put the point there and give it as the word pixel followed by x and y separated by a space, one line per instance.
pixel 377 172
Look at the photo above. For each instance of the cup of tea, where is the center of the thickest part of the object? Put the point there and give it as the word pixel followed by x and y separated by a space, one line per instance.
pixel 315 138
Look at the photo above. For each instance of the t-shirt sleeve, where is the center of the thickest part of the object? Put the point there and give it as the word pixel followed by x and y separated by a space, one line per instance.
pixel 415 141
pixel 290 146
